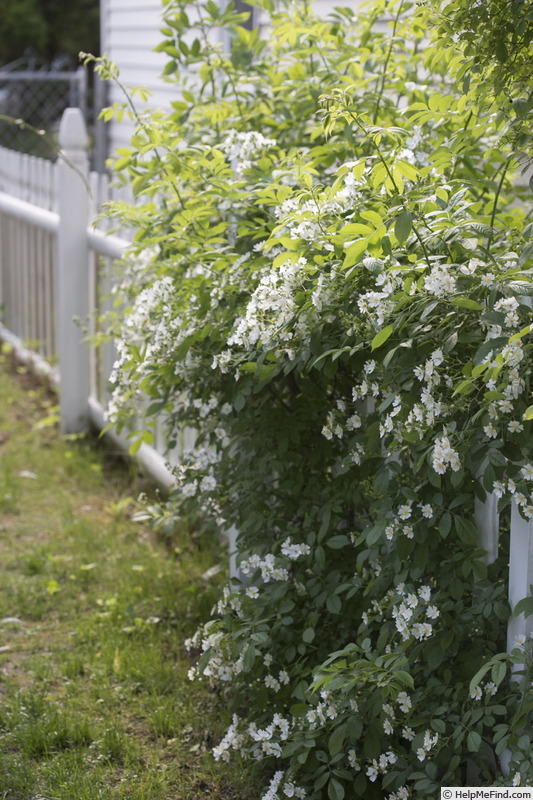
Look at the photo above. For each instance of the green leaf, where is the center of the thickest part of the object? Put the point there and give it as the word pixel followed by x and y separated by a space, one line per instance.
pixel 335 789
pixel 520 335
pixel 283 258
pixel 333 604
pixel 372 743
pixel 492 346
pixel 467 302
pixel 466 530
pixel 498 672
pixel 407 170
pixel 204 660
pixel 170 67
pixel 528 414
pixel 465 387
pixel 429 309
pixel 496 457
pixel 499 730
pixel 381 337
pixel 325 522
pixel 336 740
pixel 423 787
pixel 480 674
pixel 502 54
pixel 403 225
pixel 354 252
pixel 373 217
pixel 494 317
pixel 249 658
pixel 404 677
pixel 479 370
pixel 321 780
pixel 347 232
pixel 250 366
pixel 450 342
pixel 438 725
pixel 135 446
pixel 524 606
pixel 354 728
pixel 473 741
pixel 445 524
pixel 336 352
pixel 299 710
pixel 374 534
pixel 501 746
pixel 308 635
pixel 337 542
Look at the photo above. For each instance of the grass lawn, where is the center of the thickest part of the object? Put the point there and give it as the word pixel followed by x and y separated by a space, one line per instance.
pixel 95 702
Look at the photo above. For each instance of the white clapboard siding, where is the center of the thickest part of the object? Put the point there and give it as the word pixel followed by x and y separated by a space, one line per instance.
pixel 130 30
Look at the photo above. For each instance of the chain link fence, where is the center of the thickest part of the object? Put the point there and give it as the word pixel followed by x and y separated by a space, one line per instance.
pixel 31 105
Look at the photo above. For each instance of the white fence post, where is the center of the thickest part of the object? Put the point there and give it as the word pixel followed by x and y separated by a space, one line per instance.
pixel 520 574
pixel 520 580
pixel 488 524
pixel 72 272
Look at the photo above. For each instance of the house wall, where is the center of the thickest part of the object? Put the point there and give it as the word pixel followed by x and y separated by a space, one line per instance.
pixel 130 30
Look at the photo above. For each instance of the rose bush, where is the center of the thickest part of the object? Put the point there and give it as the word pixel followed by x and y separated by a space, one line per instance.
pixel 331 283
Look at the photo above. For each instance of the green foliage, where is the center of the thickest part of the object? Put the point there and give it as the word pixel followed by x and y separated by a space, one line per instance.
pixel 71 28
pixel 49 28
pixel 23 26
pixel 496 37
pixel 331 283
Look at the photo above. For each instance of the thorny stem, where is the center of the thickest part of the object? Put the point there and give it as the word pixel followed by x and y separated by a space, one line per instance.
pixel 496 198
pixel 140 122
pixel 386 64
pixel 209 49
pixel 236 95
pixel 391 177
pixel 456 160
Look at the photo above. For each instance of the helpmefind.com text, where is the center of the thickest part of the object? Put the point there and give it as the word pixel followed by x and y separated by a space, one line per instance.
pixel 488 793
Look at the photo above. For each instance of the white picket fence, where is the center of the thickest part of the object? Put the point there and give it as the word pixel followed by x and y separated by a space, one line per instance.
pixel 55 267
pixel 53 264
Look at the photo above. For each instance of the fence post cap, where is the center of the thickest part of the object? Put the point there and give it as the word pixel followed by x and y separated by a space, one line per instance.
pixel 72 131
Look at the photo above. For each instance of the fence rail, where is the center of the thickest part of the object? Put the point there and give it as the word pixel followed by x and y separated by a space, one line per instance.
pixel 52 269
pixel 54 263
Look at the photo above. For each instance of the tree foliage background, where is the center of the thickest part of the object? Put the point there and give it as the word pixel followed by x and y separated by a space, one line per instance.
pixel 497 36
pixel 49 28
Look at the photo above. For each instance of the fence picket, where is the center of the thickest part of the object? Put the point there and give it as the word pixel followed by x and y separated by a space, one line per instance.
pixel 520 575
pixel 33 253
